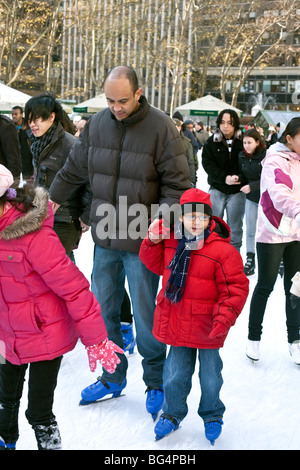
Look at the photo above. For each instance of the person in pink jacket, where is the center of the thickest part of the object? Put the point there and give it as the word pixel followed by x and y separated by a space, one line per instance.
pixel 204 290
pixel 278 237
pixel 45 306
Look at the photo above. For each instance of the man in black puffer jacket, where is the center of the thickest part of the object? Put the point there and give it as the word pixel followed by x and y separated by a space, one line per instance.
pixel 134 159
pixel 10 155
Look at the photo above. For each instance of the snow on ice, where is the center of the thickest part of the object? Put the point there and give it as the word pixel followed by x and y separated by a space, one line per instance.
pixel 261 399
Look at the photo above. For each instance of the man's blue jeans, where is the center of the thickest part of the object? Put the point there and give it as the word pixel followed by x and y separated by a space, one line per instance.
pixel 234 205
pixel 178 372
pixel 108 284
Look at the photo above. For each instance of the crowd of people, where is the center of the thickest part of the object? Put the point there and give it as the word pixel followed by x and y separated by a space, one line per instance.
pixel 130 173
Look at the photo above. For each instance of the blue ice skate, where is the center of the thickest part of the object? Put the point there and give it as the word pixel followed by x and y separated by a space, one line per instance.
pixel 154 401
pixel 99 390
pixel 6 446
pixel 165 425
pixel 213 430
pixel 128 337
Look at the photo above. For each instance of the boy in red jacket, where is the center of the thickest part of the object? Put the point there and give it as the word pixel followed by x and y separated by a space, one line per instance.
pixel 204 289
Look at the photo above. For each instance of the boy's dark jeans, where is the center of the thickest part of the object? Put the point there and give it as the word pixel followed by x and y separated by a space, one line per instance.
pixel 41 385
pixel 269 256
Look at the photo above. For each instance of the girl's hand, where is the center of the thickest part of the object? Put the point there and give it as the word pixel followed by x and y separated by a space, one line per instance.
pixel 246 189
pixel 105 353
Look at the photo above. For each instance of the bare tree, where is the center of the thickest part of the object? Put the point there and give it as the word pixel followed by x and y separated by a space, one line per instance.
pixel 210 24
pixel 24 26
pixel 245 47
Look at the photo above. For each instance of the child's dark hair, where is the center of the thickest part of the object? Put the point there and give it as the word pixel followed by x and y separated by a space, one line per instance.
pixel 235 120
pixel 22 199
pixel 292 129
pixel 256 136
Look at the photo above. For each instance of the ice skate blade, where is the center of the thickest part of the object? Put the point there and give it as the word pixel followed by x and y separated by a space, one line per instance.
pixel 251 359
pixel 85 402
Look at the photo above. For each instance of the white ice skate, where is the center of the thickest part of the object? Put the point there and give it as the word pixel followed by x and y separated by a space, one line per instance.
pixel 294 349
pixel 252 350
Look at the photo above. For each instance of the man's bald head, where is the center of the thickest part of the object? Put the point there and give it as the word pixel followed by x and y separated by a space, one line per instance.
pixel 123 71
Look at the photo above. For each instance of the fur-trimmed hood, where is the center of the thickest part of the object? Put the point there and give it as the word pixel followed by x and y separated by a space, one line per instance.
pixel 15 224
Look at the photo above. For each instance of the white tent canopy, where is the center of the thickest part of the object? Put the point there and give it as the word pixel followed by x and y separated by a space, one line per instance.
pixel 206 106
pixel 92 105
pixel 10 97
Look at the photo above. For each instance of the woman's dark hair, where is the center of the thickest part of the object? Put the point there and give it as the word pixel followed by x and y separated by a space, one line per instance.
pixel 41 106
pixel 256 136
pixel 23 200
pixel 235 120
pixel 292 129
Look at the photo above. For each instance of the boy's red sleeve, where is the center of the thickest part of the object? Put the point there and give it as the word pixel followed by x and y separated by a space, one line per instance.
pixel 152 256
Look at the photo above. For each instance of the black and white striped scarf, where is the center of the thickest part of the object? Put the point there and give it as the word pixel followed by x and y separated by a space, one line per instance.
pixel 39 143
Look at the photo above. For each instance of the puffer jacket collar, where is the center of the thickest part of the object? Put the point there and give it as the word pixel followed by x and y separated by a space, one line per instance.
pixel 15 224
pixel 138 115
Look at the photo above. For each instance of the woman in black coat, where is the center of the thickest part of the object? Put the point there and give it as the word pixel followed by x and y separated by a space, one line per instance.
pixel 250 170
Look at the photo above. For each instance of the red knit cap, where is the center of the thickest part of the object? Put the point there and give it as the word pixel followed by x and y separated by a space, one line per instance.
pixel 195 200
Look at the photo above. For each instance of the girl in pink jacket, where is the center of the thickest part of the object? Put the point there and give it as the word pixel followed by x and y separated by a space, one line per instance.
pixel 45 305
pixel 278 236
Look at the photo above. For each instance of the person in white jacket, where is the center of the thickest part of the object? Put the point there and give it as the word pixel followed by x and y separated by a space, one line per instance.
pixel 277 237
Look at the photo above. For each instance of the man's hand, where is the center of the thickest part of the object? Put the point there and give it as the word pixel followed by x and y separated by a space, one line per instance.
pixel 232 179
pixel 84 227
pixel 55 206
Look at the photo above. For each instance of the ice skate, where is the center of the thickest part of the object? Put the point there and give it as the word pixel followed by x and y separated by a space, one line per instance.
pixel 165 425
pixel 48 437
pixel 101 389
pixel 252 350
pixel 249 266
pixel 128 337
pixel 154 401
pixel 294 349
pixel 6 446
pixel 213 430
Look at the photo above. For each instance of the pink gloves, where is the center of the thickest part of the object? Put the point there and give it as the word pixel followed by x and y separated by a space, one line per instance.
pixel 218 330
pixel 157 231
pixel 105 353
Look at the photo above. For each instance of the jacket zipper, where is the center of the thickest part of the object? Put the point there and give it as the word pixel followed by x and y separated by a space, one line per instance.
pixel 118 168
